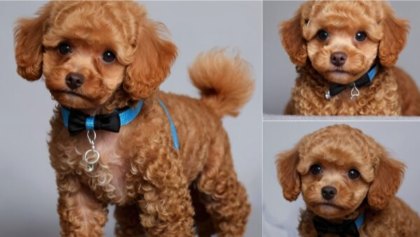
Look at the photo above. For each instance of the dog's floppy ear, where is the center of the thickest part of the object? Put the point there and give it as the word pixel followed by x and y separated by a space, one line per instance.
pixel 387 180
pixel 292 39
pixel 153 59
pixel 287 174
pixel 28 44
pixel 395 33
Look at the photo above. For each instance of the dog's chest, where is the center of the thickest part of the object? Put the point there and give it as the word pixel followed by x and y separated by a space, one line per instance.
pixel 108 179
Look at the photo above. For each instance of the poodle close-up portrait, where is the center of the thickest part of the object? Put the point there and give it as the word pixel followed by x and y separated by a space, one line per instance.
pixel 348 182
pixel 164 160
pixel 345 54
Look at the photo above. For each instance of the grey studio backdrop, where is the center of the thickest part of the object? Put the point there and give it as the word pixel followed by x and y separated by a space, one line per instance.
pixel 280 217
pixel 27 182
pixel 280 73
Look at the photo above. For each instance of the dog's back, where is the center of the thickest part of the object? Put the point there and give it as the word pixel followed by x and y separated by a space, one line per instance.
pixel 225 85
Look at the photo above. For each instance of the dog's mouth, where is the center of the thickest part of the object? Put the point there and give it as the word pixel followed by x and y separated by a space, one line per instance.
pixel 70 94
pixel 340 76
pixel 339 71
pixel 330 210
pixel 328 206
pixel 73 99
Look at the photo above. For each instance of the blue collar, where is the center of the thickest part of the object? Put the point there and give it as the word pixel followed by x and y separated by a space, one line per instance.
pixel 360 220
pixel 124 117
pixel 344 228
pixel 76 121
pixel 365 80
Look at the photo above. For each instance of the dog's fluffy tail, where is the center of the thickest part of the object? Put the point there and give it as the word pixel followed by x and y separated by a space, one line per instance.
pixel 224 81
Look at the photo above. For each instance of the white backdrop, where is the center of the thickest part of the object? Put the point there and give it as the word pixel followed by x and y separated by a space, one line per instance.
pixel 280 217
pixel 27 183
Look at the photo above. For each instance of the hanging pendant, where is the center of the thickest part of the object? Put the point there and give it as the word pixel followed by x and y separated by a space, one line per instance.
pixel 354 93
pixel 91 156
pixel 327 95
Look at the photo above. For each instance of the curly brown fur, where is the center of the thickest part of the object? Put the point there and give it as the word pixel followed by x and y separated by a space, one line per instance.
pixel 393 92
pixel 329 157
pixel 139 169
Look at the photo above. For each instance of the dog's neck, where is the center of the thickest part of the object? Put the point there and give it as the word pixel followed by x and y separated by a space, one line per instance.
pixel 120 99
pixel 351 228
pixel 333 89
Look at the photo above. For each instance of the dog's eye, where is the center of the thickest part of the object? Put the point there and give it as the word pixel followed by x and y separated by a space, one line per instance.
pixel 108 57
pixel 64 48
pixel 322 35
pixel 360 36
pixel 353 174
pixel 315 169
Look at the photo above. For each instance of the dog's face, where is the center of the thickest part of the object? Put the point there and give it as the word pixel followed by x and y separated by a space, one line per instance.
pixel 83 70
pixel 87 51
pixel 336 169
pixel 334 179
pixel 342 40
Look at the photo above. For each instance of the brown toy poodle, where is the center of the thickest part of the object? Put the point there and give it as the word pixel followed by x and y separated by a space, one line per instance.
pixel 167 160
pixel 345 54
pixel 348 182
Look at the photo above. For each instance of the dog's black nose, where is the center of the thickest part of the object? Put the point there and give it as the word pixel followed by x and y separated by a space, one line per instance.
pixel 328 192
pixel 74 80
pixel 338 59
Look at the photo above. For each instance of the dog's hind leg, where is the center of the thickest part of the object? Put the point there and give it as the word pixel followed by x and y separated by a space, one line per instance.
pixel 223 195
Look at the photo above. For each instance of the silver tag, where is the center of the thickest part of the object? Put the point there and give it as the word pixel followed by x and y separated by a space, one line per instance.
pixel 91 156
pixel 354 93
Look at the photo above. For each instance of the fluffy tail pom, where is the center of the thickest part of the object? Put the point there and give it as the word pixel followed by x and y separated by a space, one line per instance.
pixel 224 81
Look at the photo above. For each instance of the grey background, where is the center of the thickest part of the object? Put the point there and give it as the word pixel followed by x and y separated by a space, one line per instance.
pixel 27 182
pixel 279 72
pixel 400 138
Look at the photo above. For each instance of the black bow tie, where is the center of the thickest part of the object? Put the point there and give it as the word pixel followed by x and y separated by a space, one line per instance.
pixel 77 122
pixel 344 229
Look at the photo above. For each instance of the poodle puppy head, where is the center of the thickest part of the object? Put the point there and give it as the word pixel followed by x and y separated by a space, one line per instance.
pixel 336 169
pixel 89 51
pixel 343 39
